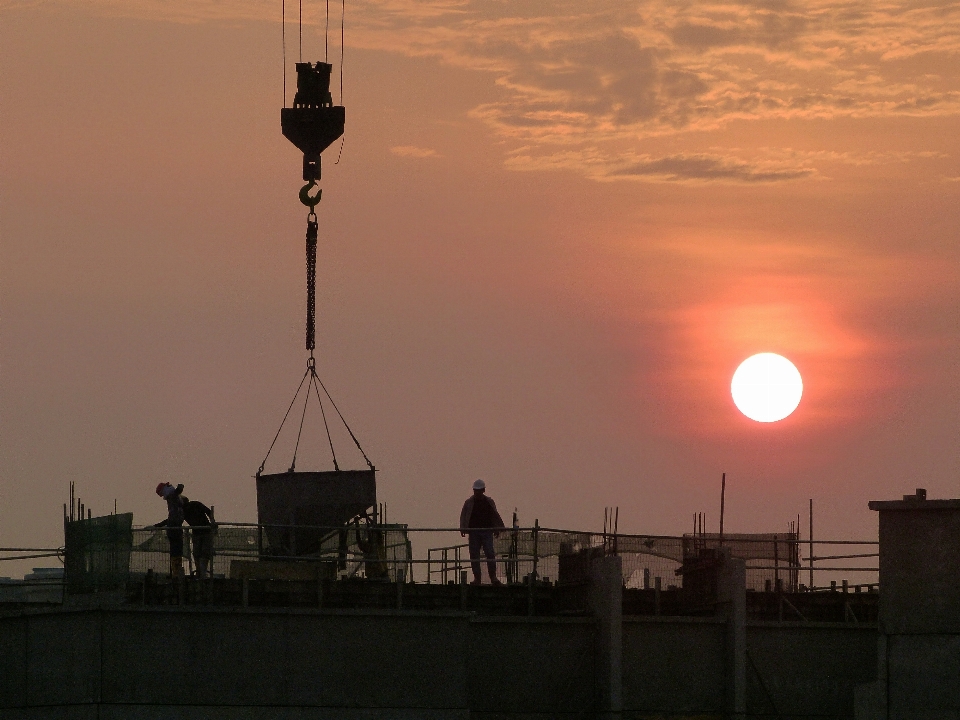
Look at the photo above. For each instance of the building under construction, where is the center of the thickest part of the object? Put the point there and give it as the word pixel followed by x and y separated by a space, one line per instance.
pixel 351 622
pixel 325 610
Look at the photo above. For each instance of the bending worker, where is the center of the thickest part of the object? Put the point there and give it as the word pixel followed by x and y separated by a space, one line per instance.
pixel 479 519
pixel 202 525
pixel 173 525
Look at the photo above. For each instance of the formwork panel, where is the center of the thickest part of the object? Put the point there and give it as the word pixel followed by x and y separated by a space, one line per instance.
pixel 920 551
pixel 673 666
pixel 924 674
pixel 214 712
pixel 529 667
pixel 808 670
pixel 279 659
pixel 63 658
pixel 386 660
pixel 173 657
pixel 13 661
pixel 58 712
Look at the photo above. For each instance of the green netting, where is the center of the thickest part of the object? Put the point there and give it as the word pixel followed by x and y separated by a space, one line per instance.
pixel 564 556
pixel 380 553
pixel 97 552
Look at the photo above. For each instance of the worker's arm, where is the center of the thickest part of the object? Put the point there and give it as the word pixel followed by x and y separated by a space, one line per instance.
pixel 213 522
pixel 465 516
pixel 497 520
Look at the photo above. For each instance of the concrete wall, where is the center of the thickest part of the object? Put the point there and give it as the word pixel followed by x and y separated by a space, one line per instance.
pixel 918 667
pixel 261 663
pixel 673 665
pixel 920 567
pixel 809 669
pixel 227 664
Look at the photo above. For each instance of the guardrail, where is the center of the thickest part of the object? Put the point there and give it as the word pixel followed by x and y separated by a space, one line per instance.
pixel 439 555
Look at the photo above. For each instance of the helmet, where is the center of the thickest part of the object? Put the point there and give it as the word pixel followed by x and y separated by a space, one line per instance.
pixel 160 488
pixel 479 485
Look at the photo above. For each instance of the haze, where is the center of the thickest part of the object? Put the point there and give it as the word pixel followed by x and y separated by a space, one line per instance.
pixel 555 231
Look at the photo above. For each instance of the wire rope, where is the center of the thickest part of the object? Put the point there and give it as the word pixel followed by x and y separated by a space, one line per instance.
pixel 326 427
pixel 343 420
pixel 282 422
pixel 303 415
pixel 300 49
pixel 283 44
pixel 326 33
pixel 343 12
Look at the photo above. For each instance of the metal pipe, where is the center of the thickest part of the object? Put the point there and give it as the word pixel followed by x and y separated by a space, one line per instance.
pixel 811 543
pixel 723 493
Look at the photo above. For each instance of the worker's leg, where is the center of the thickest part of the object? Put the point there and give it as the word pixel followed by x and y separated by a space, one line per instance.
pixel 474 543
pixel 176 567
pixel 491 557
pixel 175 537
pixel 203 553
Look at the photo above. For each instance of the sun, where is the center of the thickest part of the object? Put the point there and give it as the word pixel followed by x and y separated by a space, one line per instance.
pixel 766 387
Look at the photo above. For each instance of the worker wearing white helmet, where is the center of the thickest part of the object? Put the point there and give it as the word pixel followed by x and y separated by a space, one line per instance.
pixel 480 520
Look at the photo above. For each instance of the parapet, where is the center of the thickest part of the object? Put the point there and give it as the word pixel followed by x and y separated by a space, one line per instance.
pixel 919 564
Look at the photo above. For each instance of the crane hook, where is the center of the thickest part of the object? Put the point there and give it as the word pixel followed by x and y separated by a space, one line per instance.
pixel 311 201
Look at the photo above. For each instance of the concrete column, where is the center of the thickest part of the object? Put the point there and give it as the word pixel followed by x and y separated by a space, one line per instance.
pixel 606 602
pixel 919 623
pixel 732 595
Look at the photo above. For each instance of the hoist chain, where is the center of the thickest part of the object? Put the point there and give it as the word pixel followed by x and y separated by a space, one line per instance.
pixel 311 281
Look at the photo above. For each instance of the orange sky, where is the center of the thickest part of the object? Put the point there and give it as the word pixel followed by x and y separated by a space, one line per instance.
pixel 549 243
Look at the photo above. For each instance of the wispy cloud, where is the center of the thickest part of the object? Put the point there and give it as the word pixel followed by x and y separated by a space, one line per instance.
pixel 585 73
pixel 676 168
pixel 719 165
pixel 412 151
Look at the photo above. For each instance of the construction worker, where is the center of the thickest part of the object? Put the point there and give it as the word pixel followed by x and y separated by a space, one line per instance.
pixel 203 527
pixel 480 512
pixel 173 525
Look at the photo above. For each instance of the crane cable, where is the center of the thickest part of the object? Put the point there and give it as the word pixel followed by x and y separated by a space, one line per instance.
pixel 311 201
pixel 311 281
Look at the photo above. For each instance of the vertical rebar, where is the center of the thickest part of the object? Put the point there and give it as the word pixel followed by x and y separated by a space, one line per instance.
pixel 616 529
pixel 536 547
pixel 810 559
pixel 723 494
pixel 532 579
pixel 776 563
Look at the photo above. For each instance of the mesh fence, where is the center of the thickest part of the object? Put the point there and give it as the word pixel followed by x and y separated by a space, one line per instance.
pixel 353 551
pixel 108 551
pixel 648 560
pixel 97 552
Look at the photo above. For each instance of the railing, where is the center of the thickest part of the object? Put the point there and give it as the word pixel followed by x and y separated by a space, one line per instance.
pixel 403 554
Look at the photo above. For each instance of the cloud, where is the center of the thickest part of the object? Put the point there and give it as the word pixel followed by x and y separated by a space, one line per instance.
pixel 411 151
pixel 708 168
pixel 653 67
pixel 675 168
pixel 618 74
pixel 719 165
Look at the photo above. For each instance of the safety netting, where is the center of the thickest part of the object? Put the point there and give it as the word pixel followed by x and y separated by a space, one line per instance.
pixel 105 552
pixel 647 560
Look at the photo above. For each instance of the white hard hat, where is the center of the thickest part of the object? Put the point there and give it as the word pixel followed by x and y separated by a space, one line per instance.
pixel 479 485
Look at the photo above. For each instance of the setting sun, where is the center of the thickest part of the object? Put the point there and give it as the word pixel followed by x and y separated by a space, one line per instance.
pixel 766 387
